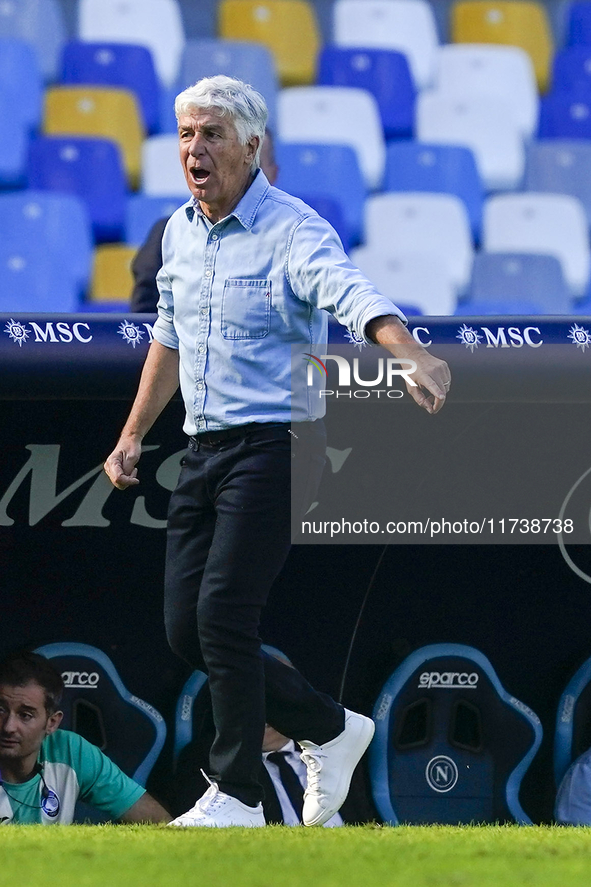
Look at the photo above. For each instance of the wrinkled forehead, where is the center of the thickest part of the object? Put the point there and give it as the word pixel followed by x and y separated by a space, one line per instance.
pixel 201 117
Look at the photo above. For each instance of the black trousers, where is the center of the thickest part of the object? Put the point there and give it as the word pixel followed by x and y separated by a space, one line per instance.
pixel 228 537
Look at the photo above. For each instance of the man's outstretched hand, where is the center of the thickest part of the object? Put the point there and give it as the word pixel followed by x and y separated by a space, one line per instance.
pixel 120 466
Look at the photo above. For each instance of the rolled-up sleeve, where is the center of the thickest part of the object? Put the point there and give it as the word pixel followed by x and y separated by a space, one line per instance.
pixel 321 273
pixel 164 331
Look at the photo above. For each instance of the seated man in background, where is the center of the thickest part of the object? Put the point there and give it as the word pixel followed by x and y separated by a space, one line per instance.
pixel 44 771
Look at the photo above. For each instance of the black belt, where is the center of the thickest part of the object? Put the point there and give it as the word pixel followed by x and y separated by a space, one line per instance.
pixel 212 438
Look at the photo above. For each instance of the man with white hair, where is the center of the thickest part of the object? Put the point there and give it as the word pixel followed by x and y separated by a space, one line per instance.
pixel 246 272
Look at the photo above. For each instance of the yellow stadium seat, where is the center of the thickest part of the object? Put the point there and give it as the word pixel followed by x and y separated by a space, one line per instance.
pixel 512 22
pixel 288 28
pixel 101 112
pixel 112 280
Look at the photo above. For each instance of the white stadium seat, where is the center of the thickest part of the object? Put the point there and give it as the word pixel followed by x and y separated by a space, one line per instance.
pixel 335 115
pixel 407 26
pixel 416 279
pixel 162 173
pixel 435 224
pixel 466 69
pixel 554 224
pixel 483 123
pixel 156 24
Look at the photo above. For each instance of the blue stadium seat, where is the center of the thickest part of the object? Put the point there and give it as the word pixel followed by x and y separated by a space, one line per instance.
pixel 58 222
pixel 571 68
pixel 383 72
pixel 573 721
pixel 185 712
pixel 451 745
pixel 40 23
pixel 565 115
pixel 325 171
pixel 451 169
pixel 518 278
pixel 89 168
pixel 331 210
pixel 14 142
pixel 116 64
pixel 560 167
pixel 32 279
pixel 142 211
pixel 579 24
pixel 251 62
pixel 98 706
pixel 20 79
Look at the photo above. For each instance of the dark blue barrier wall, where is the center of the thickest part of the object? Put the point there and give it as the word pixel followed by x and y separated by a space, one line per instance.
pixel 81 561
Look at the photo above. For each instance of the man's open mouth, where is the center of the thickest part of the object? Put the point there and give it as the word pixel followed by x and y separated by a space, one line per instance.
pixel 200 176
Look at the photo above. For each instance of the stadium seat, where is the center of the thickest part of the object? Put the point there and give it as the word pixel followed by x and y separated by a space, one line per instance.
pixel 59 222
pixel 331 210
pixel 14 142
pixel 21 81
pixel 162 173
pixel 118 65
pixel 579 24
pixel 101 112
pixel 554 224
pixel 384 73
pixel 560 167
pixel 186 713
pixel 32 279
pixel 504 72
pixel 566 115
pixel 405 25
pixel 155 24
pixel 112 280
pixel 499 308
pixel 41 24
pixel 510 22
pixel 485 125
pixel 435 224
pixel 98 707
pixel 517 277
pixel 287 27
pixel 451 169
pixel 571 69
pixel 422 280
pixel 249 62
pixel 142 211
pixel 309 170
pixel 451 745
pixel 324 114
pixel 90 168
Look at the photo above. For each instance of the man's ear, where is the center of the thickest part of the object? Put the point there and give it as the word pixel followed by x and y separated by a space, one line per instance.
pixel 53 722
pixel 253 145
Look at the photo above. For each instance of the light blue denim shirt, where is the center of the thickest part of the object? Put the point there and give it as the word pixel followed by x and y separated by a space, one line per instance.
pixel 235 296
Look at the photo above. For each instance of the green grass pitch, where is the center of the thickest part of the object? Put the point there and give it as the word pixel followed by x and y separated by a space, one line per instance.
pixel 155 856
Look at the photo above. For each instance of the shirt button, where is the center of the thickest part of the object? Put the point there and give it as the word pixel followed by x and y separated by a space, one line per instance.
pixel 214 237
pixel 208 273
pixel 201 349
pixel 200 385
pixel 204 310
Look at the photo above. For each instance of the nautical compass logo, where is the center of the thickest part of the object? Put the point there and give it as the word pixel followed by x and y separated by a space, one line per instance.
pixel 579 336
pixel 469 337
pixel 131 333
pixel 17 331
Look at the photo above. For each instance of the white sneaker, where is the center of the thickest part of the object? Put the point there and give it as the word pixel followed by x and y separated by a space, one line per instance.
pixel 219 810
pixel 330 768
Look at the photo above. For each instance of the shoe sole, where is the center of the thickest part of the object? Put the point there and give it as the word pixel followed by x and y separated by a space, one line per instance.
pixel 366 732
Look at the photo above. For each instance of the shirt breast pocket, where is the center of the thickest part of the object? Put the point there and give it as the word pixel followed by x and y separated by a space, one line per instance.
pixel 246 308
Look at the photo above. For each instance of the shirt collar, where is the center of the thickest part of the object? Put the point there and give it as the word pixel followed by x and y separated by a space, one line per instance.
pixel 248 206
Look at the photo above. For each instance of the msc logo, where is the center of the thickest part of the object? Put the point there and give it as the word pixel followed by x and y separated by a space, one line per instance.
pixel 80 679
pixel 441 774
pixel 448 680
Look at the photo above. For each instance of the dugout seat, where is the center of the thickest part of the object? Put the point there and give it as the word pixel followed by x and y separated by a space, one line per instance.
pixel 572 736
pixel 98 707
pixel 451 745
